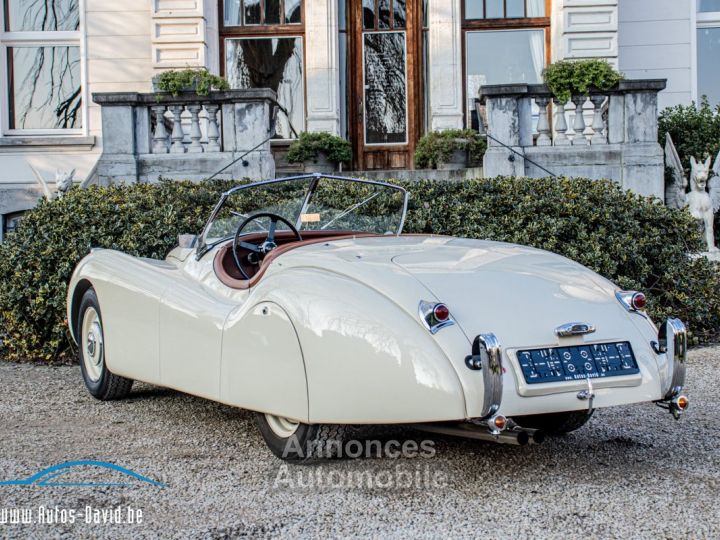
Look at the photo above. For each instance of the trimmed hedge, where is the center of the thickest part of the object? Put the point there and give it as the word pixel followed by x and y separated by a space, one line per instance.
pixel 636 242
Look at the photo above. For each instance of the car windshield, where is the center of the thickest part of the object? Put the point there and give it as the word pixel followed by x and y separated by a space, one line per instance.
pixel 310 203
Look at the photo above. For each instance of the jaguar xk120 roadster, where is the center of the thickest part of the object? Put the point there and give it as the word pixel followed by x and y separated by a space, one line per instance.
pixel 303 301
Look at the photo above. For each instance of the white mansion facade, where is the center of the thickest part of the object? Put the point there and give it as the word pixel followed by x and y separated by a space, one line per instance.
pixel 378 72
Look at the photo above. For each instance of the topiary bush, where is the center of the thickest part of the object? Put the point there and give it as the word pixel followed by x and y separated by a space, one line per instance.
pixel 437 147
pixel 310 144
pixel 198 80
pixel 567 78
pixel 636 242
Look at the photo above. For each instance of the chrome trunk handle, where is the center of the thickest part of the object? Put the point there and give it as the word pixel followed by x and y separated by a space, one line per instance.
pixel 574 329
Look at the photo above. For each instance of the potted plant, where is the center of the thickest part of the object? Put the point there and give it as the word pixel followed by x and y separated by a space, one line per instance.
pixel 198 80
pixel 449 149
pixel 319 151
pixel 568 78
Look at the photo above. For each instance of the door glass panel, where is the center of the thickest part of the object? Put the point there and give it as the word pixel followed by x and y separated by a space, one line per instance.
pixel 368 14
pixel 399 13
pixel 275 63
pixel 708 45
pixel 385 88
pixel 44 87
pixel 252 11
pixel 495 9
pixel 32 15
pixel 384 14
pixel 293 12
pixel 515 9
pixel 272 11
pixel 474 9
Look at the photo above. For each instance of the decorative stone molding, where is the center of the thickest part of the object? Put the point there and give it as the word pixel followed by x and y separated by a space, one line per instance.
pixel 586 29
pixel 185 33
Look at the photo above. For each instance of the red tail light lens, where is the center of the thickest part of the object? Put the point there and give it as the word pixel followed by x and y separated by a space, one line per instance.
pixel 638 301
pixel 441 313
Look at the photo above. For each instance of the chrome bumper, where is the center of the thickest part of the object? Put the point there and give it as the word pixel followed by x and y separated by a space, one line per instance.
pixel 672 342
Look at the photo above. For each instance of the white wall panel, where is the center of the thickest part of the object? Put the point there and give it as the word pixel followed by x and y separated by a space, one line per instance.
pixel 656 42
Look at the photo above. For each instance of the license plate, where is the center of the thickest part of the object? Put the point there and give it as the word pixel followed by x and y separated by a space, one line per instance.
pixel 555 364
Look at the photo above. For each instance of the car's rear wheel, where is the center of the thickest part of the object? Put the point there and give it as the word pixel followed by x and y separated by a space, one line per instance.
pixel 100 382
pixel 294 441
pixel 555 423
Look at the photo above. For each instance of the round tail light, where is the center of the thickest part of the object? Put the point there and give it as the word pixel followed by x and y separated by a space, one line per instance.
pixel 441 313
pixel 682 402
pixel 499 422
pixel 638 301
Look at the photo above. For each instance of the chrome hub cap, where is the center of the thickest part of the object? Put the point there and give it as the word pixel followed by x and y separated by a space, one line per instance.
pixel 282 427
pixel 92 343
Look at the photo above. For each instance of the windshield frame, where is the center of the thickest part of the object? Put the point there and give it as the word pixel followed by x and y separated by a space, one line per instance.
pixel 202 247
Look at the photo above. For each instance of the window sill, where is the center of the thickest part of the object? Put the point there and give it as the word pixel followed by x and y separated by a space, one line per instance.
pixel 45 141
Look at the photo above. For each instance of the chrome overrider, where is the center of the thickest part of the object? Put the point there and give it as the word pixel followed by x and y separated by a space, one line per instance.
pixel 487 356
pixel 672 342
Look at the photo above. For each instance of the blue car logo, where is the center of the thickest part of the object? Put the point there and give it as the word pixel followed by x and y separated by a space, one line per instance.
pixel 52 476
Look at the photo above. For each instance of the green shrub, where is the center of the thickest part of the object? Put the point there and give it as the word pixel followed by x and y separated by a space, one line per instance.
pixel 636 242
pixel 694 130
pixel 310 144
pixel 568 78
pixel 200 80
pixel 437 147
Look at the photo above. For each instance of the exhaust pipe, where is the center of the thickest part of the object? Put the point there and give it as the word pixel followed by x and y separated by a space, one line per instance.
pixel 517 436
pixel 537 436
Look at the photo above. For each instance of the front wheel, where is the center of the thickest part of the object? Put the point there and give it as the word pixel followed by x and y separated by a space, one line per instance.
pixel 555 423
pixel 294 441
pixel 100 382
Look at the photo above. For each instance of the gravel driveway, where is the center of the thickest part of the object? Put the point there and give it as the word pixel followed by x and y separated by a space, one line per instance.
pixel 631 472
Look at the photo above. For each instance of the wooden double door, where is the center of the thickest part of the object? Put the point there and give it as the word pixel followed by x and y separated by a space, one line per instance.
pixel 384 82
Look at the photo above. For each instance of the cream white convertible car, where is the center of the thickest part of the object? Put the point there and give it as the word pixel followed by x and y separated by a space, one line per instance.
pixel 303 301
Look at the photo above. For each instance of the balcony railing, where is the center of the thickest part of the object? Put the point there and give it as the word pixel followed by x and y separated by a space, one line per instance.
pixel 149 136
pixel 607 134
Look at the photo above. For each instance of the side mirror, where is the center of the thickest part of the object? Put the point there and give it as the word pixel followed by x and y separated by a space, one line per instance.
pixel 187 241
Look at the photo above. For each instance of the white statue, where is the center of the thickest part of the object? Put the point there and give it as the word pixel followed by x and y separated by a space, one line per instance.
pixel 63 182
pixel 701 204
pixel 699 201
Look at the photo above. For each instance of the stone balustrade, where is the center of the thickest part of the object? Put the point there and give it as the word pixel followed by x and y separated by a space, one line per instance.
pixel 609 134
pixel 154 135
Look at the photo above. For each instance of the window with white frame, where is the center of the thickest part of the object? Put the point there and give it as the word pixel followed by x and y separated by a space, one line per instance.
pixel 41 67
pixel 708 50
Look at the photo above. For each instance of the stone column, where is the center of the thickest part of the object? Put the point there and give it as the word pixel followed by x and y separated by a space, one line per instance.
pixel 322 66
pixel 118 162
pixel 445 62
pixel 505 117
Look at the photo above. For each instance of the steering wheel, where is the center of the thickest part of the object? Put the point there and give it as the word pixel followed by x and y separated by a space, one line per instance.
pixel 259 251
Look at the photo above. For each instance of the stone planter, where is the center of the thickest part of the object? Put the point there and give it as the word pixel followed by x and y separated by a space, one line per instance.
pixel 320 165
pixel 458 160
